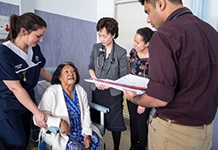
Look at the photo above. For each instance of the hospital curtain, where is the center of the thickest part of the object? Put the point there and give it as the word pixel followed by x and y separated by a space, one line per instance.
pixel 198 8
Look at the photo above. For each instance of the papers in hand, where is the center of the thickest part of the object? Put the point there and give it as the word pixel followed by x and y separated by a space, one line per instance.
pixel 128 82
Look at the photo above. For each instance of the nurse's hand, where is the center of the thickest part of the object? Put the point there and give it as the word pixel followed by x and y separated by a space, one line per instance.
pixel 40 119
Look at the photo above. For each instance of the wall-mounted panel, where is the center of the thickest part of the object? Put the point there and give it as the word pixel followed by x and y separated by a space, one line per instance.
pixel 8 9
pixel 4 26
pixel 68 39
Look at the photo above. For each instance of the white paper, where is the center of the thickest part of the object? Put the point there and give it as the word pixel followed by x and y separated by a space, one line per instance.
pixel 128 82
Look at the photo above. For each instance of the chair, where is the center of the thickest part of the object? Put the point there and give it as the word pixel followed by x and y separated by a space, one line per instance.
pixel 39 90
pixel 103 110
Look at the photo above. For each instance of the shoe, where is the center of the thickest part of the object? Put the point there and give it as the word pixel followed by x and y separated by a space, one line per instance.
pixel 133 147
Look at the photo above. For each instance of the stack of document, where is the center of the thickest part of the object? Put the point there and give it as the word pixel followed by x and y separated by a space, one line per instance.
pixel 128 82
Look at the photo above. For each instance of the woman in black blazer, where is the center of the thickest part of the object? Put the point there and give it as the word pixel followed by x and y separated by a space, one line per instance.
pixel 109 61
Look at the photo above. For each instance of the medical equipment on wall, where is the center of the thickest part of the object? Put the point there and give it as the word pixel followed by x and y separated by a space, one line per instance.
pixel 4 27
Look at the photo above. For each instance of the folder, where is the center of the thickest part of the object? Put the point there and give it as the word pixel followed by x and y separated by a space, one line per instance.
pixel 129 82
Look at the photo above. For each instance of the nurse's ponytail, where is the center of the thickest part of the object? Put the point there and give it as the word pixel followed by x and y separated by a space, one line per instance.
pixel 29 21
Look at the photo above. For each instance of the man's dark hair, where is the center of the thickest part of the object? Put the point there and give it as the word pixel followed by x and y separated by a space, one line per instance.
pixel 152 2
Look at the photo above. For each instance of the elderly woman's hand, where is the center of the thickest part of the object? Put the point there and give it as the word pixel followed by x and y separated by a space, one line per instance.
pixel 87 141
pixel 65 128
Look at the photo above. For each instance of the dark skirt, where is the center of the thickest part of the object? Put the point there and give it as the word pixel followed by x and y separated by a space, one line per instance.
pixel 114 120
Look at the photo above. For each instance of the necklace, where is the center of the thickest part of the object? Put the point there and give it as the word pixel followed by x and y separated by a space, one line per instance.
pixel 24 76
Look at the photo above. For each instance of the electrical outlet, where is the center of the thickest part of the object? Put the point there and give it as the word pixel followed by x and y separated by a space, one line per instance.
pixel 4 26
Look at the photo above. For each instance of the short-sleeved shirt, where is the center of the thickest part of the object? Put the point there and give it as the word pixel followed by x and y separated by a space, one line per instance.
pixel 17 65
pixel 184 69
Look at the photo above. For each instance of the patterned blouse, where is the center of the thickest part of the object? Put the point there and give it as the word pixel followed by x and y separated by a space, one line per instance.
pixel 76 137
pixel 138 66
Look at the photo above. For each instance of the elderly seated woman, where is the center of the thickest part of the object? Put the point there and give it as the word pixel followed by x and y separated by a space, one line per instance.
pixel 66 105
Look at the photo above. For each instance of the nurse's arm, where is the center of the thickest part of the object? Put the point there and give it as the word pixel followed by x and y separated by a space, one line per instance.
pixel 45 74
pixel 144 100
pixel 24 98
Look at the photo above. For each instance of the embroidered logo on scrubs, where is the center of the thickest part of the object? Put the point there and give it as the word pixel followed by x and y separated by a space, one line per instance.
pixel 18 66
pixel 37 58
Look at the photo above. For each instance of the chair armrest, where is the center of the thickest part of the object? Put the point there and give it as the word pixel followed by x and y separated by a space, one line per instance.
pixel 53 129
pixel 98 107
pixel 103 110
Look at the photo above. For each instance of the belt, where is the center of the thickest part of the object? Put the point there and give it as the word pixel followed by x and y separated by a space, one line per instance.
pixel 175 122
pixel 167 120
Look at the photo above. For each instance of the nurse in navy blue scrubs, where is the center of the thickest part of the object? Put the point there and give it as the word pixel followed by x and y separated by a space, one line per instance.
pixel 21 65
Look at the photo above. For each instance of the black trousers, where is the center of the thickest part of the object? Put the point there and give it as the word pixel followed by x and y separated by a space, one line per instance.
pixel 138 126
pixel 15 132
pixel 114 120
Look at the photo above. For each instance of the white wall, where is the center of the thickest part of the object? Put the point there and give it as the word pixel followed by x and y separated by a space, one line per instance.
pixel 81 9
pixel 211 15
pixel 108 8
pixel 14 2
pixel 131 16
pixel 187 3
pixel 26 6
pixel 105 8
pixel 92 10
